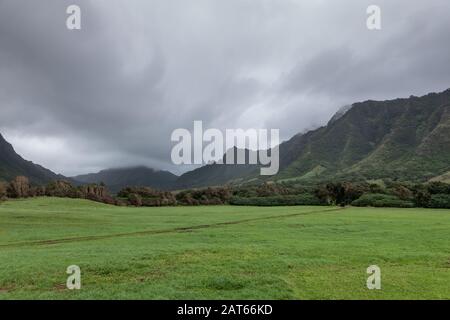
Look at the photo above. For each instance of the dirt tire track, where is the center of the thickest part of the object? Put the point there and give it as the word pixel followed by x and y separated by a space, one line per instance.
pixel 155 232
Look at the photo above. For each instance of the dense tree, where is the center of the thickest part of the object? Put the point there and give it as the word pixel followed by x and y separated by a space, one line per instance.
pixel 19 188
pixel 439 201
pixel 422 197
pixel 95 192
pixel 61 188
pixel 340 193
pixel 402 192
pixel 135 199
pixel 208 196
pixel 145 196
pixel 391 194
pixel 438 188
pixel 3 190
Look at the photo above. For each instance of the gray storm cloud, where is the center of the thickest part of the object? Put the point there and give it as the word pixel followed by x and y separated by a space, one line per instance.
pixel 110 94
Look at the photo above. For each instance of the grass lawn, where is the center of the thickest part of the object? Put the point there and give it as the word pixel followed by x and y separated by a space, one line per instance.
pixel 221 252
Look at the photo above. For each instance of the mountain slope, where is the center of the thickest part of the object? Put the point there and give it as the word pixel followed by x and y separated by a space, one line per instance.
pixel 12 165
pixel 404 139
pixel 116 179
pixel 218 174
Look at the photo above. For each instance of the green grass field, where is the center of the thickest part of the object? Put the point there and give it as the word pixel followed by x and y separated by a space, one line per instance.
pixel 221 252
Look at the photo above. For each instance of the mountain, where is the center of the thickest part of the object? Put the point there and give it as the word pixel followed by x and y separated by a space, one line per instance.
pixel 13 165
pixel 218 174
pixel 116 179
pixel 340 113
pixel 403 139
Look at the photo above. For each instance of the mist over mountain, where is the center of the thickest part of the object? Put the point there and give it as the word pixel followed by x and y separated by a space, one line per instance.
pixel 217 174
pixel 116 179
pixel 145 68
pixel 401 139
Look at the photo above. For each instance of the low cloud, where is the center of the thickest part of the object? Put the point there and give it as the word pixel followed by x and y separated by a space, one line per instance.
pixel 110 94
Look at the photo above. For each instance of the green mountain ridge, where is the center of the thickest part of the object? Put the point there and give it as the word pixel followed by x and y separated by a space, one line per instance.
pixel 401 139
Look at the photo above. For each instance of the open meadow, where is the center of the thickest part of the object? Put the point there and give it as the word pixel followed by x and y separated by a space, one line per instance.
pixel 221 252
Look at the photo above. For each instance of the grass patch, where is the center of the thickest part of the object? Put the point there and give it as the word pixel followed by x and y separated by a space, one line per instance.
pixel 271 253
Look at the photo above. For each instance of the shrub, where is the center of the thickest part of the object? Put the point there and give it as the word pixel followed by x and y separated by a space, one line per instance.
pixel 438 188
pixel 19 188
pixel 376 188
pixel 297 200
pixel 151 202
pixel 3 190
pixel 439 201
pixel 208 196
pixel 107 200
pixel 403 192
pixel 148 197
pixel 144 192
pixel 94 192
pixel 62 189
pixel 135 199
pixel 37 191
pixel 341 193
pixel 381 200
pixel 422 197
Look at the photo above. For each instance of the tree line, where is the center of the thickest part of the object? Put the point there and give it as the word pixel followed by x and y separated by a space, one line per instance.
pixel 383 194
pixel 20 187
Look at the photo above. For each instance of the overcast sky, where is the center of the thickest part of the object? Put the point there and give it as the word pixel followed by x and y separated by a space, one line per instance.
pixel 110 94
